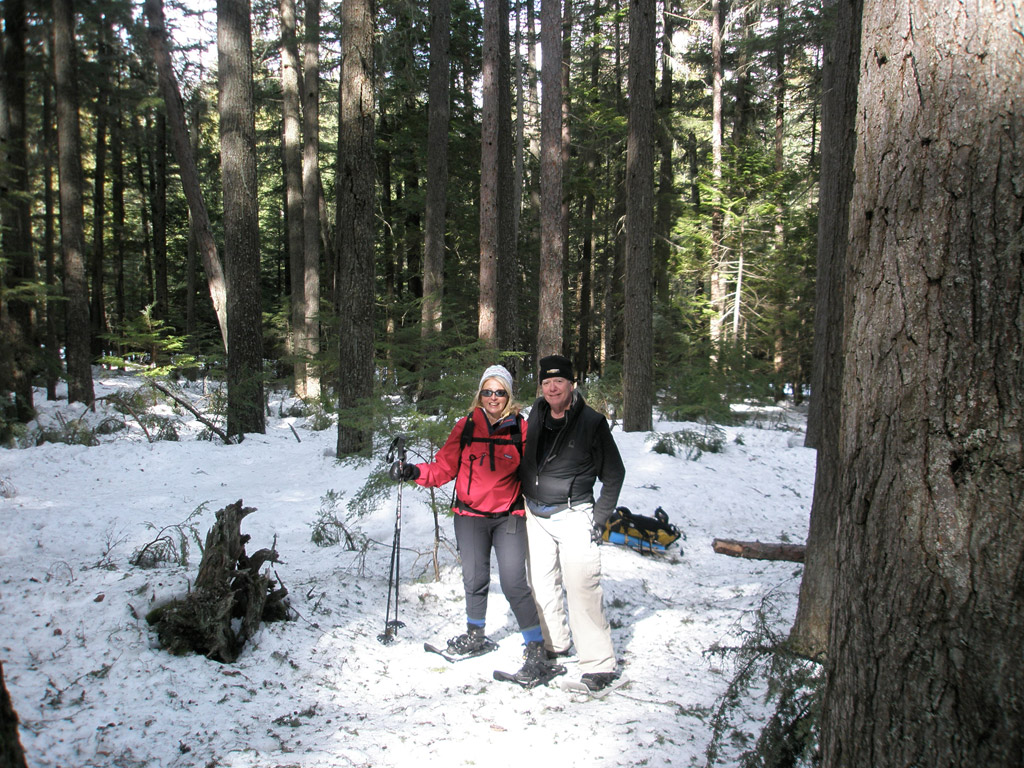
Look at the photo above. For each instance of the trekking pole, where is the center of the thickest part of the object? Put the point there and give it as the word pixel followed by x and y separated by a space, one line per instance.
pixel 395 453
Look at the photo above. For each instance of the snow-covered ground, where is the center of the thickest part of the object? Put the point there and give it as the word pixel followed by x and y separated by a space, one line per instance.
pixel 92 687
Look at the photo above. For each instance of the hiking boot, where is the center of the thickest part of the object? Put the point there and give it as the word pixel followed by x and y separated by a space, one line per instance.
pixel 536 668
pixel 472 641
pixel 597 681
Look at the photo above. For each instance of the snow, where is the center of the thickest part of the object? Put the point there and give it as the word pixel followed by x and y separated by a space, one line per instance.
pixel 93 688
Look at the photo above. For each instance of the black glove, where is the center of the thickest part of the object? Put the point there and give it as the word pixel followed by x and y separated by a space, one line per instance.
pixel 597 533
pixel 401 471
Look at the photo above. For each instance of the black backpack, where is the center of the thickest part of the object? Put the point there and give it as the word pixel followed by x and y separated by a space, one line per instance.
pixel 647 535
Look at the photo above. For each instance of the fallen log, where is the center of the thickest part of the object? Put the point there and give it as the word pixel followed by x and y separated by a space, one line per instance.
pixel 230 596
pixel 758 550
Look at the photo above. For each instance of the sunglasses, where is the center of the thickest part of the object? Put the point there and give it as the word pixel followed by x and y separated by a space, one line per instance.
pixel 493 393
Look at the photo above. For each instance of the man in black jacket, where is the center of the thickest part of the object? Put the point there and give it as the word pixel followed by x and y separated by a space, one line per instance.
pixel 568 447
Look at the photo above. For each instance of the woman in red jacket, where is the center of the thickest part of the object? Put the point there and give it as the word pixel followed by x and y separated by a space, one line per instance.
pixel 482 454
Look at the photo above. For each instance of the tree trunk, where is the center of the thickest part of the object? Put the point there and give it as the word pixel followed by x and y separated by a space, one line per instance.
pixel 117 206
pixel 490 175
pixel 154 11
pixel 18 335
pixel 809 634
pixel 97 308
pixel 550 312
pixel 509 272
pixel 355 226
pixel 161 293
pixel 717 281
pixel 439 114
pixel 925 648
pixel 241 219
pixel 310 342
pixel 72 225
pixel 54 310
pixel 638 353
pixel 291 85
pixel 666 184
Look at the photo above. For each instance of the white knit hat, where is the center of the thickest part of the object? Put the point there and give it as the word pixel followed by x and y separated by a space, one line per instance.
pixel 499 372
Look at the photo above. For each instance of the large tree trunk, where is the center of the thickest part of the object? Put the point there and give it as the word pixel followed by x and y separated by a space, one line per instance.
pixel 509 272
pixel 241 219
pixel 638 353
pixel 926 643
pixel 291 136
pixel 490 175
pixel 310 342
pixel 18 347
pixel 355 226
pixel 550 311
pixel 439 112
pixel 187 164
pixel 54 311
pixel 809 634
pixel 72 225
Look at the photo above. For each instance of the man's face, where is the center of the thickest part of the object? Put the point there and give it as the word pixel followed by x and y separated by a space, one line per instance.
pixel 558 393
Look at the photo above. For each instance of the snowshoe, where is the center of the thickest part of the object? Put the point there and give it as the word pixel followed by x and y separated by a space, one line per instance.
pixel 536 669
pixel 595 684
pixel 472 643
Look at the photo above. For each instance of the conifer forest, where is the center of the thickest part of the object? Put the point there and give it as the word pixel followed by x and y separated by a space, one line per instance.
pixel 701 204
pixel 339 200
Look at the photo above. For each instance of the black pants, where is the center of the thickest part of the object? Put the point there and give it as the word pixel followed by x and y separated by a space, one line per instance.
pixel 476 537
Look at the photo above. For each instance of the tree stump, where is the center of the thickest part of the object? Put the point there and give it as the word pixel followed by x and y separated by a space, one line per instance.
pixel 230 597
pixel 11 753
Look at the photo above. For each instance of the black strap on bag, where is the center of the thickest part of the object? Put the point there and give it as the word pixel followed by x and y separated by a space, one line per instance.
pixel 466 439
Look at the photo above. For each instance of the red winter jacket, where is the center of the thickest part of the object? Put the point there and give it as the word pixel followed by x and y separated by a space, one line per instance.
pixel 488 477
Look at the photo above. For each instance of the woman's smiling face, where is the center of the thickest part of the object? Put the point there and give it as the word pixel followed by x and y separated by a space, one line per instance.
pixel 494 404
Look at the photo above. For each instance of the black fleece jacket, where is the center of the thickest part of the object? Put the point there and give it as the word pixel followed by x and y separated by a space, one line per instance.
pixel 582 452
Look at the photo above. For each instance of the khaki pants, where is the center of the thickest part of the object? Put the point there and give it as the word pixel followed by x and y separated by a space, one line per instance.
pixel 561 555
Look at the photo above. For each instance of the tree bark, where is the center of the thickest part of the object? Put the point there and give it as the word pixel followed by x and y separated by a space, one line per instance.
pixel 717 280
pixel 97 303
pixel 154 11
pixel 241 219
pixel 310 342
pixel 925 648
pixel 490 176
pixel 638 352
pixel 550 319
pixel 809 634
pixel 17 329
pixel 509 272
pixel 438 118
pixel 72 225
pixel 355 234
pixel 291 85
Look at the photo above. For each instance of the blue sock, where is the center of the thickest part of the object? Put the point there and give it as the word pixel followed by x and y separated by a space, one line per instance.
pixel 533 635
pixel 475 622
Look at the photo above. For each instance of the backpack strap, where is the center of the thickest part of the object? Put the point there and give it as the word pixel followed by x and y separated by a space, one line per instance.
pixel 516 438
